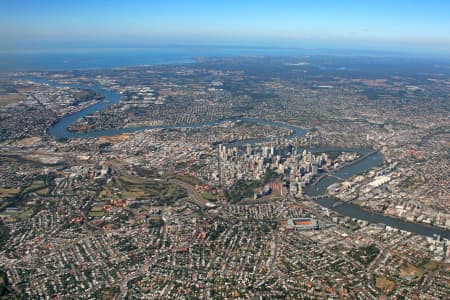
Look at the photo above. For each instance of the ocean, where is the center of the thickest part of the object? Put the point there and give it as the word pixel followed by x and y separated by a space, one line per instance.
pixel 84 59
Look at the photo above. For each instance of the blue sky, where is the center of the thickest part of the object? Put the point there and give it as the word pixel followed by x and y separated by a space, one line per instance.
pixel 360 24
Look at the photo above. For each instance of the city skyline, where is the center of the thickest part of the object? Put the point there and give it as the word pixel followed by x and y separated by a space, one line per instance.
pixel 224 149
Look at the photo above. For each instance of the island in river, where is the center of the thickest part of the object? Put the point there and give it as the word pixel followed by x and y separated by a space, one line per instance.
pixel 370 159
pixel 175 181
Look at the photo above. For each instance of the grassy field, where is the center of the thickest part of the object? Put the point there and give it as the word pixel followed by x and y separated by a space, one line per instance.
pixel 14 196
pixel 10 220
pixel 19 214
pixel 42 192
pixel 411 271
pixel 208 196
pixel 25 214
pixel 137 188
pixel 431 265
pixel 8 192
pixel 189 179
pixel 37 185
pixel 97 212
pixel 384 284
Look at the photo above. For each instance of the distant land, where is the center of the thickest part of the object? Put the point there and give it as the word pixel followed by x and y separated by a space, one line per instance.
pixel 104 58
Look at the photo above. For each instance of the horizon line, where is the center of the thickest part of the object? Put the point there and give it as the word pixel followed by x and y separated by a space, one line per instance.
pixel 364 51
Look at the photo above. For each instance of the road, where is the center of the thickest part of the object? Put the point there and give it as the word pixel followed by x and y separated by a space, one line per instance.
pixel 275 243
pixel 193 194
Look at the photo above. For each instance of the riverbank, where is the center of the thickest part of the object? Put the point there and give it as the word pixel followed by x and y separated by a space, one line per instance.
pixel 370 160
pixel 354 211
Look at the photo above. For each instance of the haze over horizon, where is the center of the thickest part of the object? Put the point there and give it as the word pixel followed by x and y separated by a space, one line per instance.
pixel 412 26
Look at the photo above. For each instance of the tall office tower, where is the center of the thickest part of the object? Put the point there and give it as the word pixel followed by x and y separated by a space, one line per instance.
pixel 219 171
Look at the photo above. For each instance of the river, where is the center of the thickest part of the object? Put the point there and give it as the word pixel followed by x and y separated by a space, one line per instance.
pixel 59 131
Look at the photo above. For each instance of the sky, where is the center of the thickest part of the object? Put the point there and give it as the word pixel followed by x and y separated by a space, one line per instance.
pixel 359 24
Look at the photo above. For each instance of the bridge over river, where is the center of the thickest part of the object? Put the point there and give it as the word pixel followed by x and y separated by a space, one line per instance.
pixel 316 191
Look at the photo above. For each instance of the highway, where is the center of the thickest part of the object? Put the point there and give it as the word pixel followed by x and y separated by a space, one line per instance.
pixel 193 194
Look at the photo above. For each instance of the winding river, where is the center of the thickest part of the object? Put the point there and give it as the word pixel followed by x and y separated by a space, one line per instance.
pixel 59 131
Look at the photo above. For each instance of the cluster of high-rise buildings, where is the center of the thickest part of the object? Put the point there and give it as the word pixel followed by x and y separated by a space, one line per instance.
pixel 254 162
